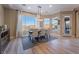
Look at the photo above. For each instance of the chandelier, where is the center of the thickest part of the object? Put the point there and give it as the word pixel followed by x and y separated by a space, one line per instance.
pixel 39 13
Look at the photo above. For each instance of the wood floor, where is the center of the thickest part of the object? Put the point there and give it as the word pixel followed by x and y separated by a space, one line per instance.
pixel 57 46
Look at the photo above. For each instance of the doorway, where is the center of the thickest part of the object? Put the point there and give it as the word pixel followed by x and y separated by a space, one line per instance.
pixel 67 26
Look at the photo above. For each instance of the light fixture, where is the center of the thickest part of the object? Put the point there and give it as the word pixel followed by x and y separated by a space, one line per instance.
pixel 39 13
pixel 50 6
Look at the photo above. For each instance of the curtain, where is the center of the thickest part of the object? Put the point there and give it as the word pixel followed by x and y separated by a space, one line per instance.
pixel 19 25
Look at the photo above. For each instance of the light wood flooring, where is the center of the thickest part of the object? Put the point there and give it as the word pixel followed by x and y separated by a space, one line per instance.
pixel 57 46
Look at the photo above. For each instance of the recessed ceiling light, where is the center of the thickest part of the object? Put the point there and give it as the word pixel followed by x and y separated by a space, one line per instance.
pixel 28 7
pixel 50 6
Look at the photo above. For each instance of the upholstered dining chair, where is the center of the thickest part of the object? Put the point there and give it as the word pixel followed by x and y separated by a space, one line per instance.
pixel 42 34
pixel 34 34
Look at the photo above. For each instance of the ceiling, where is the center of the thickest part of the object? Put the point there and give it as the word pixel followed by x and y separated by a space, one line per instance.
pixel 47 9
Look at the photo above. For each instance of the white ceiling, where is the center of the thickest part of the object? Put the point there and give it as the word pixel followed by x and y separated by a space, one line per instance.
pixel 46 10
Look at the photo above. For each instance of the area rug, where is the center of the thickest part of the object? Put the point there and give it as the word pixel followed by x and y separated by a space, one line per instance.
pixel 27 43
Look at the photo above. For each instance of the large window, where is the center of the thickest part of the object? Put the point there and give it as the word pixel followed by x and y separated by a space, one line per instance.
pixel 46 23
pixel 55 25
pixel 28 22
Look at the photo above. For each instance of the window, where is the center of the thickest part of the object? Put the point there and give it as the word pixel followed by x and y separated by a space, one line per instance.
pixel 28 22
pixel 46 23
pixel 55 25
